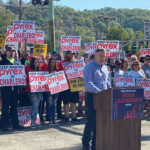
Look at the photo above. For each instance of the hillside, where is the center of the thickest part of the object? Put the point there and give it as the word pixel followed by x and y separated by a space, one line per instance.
pixel 82 23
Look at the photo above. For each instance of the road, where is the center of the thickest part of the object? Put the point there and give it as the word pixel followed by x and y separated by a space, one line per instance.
pixel 61 137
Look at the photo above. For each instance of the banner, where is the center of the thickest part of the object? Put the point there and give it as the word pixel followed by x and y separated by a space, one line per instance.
pixel 2 40
pixel 24 116
pixel 76 84
pixel 91 47
pixel 145 52
pixel 146 85
pixel 57 82
pixel 40 49
pixel 124 81
pixel 111 47
pixel 24 29
pixel 38 81
pixel 39 36
pixel 75 69
pixel 12 75
pixel 72 43
pixel 127 103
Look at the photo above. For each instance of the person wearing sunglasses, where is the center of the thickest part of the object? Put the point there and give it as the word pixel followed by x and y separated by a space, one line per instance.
pixel 137 71
pixel 146 66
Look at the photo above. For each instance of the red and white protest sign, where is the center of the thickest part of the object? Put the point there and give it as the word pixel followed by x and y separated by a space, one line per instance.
pixel 57 82
pixel 38 81
pixel 24 29
pixel 146 85
pixel 72 43
pixel 124 81
pixel 38 36
pixel 112 48
pixel 12 75
pixel 91 47
pixel 74 69
pixel 24 116
pixel 145 52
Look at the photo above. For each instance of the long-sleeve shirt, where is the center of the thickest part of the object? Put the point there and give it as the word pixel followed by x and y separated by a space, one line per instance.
pixel 96 77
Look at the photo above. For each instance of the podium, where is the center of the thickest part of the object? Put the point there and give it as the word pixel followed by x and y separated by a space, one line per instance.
pixel 123 134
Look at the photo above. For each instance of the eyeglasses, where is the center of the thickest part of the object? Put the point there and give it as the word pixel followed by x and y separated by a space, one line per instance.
pixel 135 64
pixel 147 59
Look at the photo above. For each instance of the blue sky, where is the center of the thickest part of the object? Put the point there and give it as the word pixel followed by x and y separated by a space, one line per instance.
pixel 97 4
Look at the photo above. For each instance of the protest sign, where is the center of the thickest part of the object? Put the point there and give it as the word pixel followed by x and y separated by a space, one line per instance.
pixel 146 85
pixel 145 52
pixel 39 36
pixel 91 47
pixel 40 49
pixel 38 81
pixel 111 47
pixel 74 69
pixel 24 116
pixel 12 75
pixel 76 84
pixel 124 81
pixel 24 29
pixel 72 43
pixel 81 96
pixel 57 82
pixel 2 40
pixel 127 103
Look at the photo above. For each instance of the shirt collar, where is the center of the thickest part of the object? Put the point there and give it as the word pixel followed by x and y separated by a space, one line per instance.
pixel 95 62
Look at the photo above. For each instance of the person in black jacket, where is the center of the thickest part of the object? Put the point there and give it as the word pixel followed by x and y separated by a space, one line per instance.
pixel 9 96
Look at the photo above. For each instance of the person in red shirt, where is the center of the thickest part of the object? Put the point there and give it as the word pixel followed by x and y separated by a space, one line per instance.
pixel 68 96
pixel 51 67
pixel 34 97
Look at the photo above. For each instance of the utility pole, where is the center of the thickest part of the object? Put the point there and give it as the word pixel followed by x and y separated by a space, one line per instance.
pixel 51 27
pixel 20 18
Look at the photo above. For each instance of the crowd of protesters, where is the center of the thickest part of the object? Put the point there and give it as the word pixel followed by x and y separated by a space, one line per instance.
pixel 21 96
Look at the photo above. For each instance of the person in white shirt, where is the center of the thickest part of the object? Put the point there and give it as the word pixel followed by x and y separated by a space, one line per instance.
pixel 117 70
pixel 136 71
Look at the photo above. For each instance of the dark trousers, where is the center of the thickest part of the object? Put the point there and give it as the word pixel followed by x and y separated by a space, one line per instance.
pixel 59 101
pixel 41 106
pixel 90 127
pixel 9 100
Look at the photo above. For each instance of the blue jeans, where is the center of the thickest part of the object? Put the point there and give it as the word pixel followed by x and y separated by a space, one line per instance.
pixel 35 101
pixel 90 127
pixel 51 99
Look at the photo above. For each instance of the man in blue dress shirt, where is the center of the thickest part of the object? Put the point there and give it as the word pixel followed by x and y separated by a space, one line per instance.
pixel 96 78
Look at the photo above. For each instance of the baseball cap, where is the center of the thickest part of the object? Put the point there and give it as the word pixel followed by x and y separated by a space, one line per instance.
pixel 70 52
pixel 129 54
pixel 117 62
pixel 86 54
pixel 9 48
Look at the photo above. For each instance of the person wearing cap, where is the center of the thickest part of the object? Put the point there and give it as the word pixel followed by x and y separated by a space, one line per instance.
pixel 85 56
pixel 68 96
pixel 9 96
pixel 146 69
pixel 96 79
pixel 117 69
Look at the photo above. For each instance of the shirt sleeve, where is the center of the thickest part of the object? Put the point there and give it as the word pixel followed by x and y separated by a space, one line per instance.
pixel 89 85
pixel 109 81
